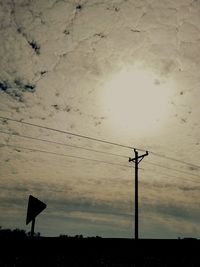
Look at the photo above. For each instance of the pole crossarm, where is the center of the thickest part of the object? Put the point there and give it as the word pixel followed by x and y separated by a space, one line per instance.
pixel 142 156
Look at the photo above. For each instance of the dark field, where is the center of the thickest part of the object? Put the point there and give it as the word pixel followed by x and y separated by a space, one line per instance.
pixel 74 252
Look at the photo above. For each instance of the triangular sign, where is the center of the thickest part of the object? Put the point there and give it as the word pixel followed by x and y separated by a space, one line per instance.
pixel 35 206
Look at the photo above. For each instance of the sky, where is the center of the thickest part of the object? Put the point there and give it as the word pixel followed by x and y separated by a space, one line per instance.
pixel 124 71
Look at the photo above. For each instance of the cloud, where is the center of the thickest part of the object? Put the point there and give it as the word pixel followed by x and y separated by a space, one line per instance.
pixel 182 212
pixel 56 57
pixel 16 88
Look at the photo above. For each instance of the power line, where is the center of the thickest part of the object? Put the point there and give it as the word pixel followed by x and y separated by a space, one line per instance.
pixel 92 150
pixel 69 133
pixel 83 158
pixel 173 169
pixel 100 140
pixel 65 155
pixel 185 179
pixel 59 143
pixel 170 176
pixel 175 184
pixel 59 154
pixel 174 159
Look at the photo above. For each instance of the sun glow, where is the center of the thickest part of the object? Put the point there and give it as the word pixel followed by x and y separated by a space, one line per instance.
pixel 136 100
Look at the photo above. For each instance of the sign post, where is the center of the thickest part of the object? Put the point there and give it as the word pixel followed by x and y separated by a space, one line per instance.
pixel 35 207
pixel 32 227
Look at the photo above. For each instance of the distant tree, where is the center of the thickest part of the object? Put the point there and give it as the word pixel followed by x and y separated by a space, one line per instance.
pixel 35 234
pixel 63 236
pixel 19 233
pixel 78 236
pixel 97 237
pixel 5 233
pixel 15 233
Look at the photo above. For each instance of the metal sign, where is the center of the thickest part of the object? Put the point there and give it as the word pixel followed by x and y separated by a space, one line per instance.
pixel 35 207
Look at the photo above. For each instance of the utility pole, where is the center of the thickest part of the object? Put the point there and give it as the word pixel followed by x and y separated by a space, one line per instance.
pixel 137 160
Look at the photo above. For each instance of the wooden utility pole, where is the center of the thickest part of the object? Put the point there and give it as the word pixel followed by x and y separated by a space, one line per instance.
pixel 137 160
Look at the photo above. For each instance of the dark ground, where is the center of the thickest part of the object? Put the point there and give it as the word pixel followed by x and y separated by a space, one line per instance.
pixel 74 252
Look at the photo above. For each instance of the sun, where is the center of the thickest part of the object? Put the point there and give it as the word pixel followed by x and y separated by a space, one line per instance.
pixel 135 100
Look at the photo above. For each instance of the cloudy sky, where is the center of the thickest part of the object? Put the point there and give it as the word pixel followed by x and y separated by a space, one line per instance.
pixel 124 71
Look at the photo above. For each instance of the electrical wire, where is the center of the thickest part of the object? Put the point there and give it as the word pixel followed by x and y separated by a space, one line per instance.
pixel 93 150
pixel 169 176
pixel 65 155
pixel 59 143
pixel 174 159
pixel 173 169
pixel 88 159
pixel 83 158
pixel 100 140
pixel 70 133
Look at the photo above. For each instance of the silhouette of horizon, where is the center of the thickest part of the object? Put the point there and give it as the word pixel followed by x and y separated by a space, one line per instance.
pixel 21 249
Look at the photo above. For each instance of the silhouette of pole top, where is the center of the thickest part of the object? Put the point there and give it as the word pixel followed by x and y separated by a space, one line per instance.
pixel 136 155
